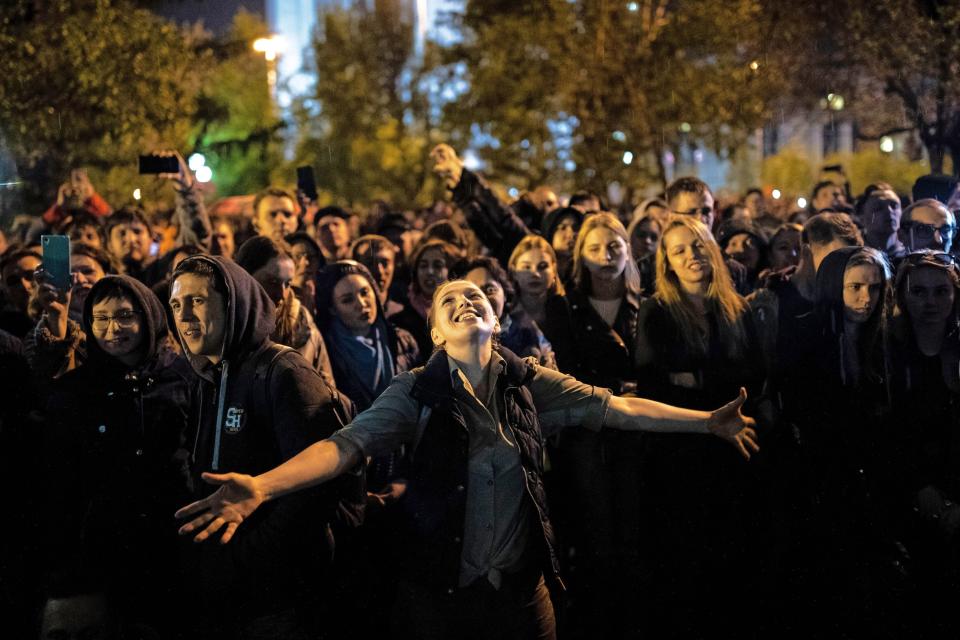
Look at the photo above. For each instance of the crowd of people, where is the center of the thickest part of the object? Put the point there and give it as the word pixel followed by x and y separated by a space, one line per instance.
pixel 485 420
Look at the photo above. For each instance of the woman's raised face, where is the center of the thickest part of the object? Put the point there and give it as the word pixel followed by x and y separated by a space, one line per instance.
pixel 605 254
pixel 535 271
pixel 687 256
pixel 462 314
pixel 355 302
pixel 929 296
pixel 117 326
pixel 491 287
pixel 431 270
pixel 862 285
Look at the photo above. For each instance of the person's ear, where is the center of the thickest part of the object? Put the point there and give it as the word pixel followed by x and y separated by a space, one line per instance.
pixel 436 338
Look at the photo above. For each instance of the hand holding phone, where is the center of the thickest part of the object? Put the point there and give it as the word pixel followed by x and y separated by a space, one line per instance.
pixel 56 261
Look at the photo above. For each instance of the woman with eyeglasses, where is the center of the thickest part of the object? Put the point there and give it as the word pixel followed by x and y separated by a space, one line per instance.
pixel 695 342
pixel 115 445
pixel 924 431
pixel 271 265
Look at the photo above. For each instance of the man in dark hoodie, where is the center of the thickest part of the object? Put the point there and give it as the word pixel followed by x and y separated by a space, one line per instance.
pixel 257 404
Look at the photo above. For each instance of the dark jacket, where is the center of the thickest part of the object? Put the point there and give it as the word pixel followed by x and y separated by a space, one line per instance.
pixel 523 337
pixel 261 405
pixel 497 225
pixel 119 462
pixel 435 502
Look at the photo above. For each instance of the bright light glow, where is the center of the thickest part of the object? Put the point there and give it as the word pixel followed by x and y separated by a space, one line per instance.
pixel 570 165
pixel 632 6
pixel 755 65
pixel 835 101
pixel 886 144
pixel 685 127
pixel 136 193
pixel 196 161
pixel 802 202
pixel 270 47
pixel 776 194
pixel 514 192
pixel 619 136
pixel 204 174
pixel 627 157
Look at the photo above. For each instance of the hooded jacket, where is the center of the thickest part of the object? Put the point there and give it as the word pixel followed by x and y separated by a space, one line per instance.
pixel 115 438
pixel 259 406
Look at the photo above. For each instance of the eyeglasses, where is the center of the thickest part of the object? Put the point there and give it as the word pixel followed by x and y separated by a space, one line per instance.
pixel 697 211
pixel 124 320
pixel 922 230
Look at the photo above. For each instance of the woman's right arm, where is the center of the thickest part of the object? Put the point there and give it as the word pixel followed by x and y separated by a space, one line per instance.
pixel 239 495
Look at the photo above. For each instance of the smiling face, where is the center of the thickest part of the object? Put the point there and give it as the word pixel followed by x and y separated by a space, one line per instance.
pixel 605 254
pixel 490 287
pixel 117 327
pixel 431 270
pixel 355 303
pixel 461 315
pixel 535 272
pixel 862 284
pixel 687 257
pixel 929 296
pixel 200 312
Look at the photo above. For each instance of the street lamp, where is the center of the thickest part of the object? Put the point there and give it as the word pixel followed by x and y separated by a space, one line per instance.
pixel 271 47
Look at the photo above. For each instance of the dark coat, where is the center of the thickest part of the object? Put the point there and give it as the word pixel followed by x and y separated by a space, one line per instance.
pixel 119 462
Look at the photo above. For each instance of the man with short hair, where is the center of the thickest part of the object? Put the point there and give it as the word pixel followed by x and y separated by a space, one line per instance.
pixel 689 196
pixel 827 195
pixel 333 233
pixel 927 224
pixel 379 256
pixel 275 213
pixel 881 215
pixel 256 404
pixel 130 241
pixel 17 268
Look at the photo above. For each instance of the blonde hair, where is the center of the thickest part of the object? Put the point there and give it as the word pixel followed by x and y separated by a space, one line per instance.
pixel 722 299
pixel 581 276
pixel 537 242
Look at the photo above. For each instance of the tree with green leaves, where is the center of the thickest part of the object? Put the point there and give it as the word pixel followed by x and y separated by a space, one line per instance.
pixel 584 92
pixel 92 83
pixel 365 126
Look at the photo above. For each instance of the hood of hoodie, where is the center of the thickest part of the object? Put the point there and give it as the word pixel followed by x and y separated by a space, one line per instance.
pixel 829 299
pixel 250 314
pixel 154 317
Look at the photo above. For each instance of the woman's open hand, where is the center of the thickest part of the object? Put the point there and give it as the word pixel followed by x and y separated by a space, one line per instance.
pixel 729 423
